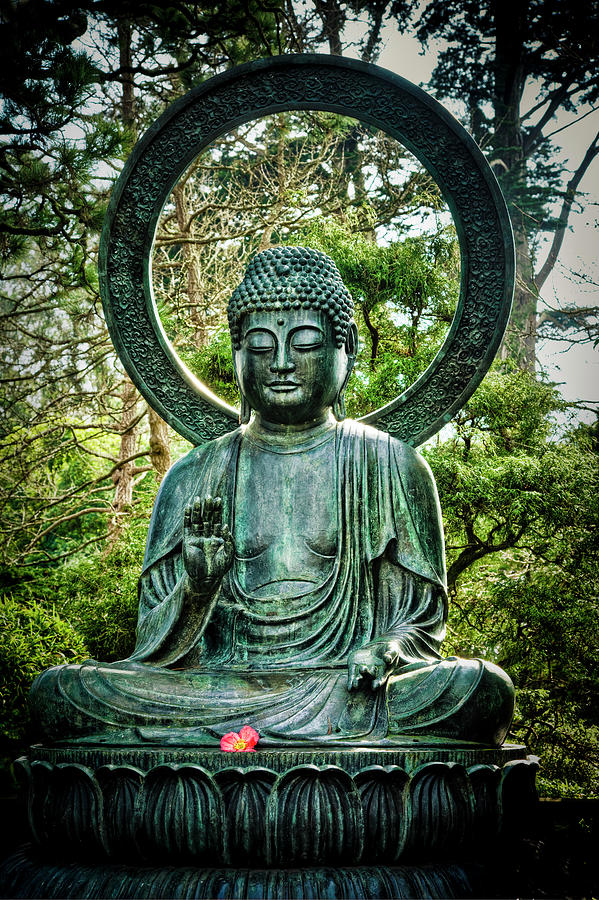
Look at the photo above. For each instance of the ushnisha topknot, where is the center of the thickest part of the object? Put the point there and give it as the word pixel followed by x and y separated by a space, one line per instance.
pixel 292 278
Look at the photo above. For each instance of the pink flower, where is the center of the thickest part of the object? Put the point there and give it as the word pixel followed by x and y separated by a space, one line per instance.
pixel 244 742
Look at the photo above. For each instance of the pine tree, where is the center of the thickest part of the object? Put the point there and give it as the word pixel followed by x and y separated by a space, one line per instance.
pixel 496 55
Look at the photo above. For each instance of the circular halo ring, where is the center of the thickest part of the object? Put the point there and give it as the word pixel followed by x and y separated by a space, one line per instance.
pixel 375 97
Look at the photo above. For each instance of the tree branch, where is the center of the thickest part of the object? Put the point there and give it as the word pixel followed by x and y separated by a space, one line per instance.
pixel 473 553
pixel 571 189
pixel 536 131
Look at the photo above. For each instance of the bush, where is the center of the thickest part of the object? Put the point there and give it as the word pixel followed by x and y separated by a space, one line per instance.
pixel 33 638
pixel 86 607
pixel 96 594
pixel 99 596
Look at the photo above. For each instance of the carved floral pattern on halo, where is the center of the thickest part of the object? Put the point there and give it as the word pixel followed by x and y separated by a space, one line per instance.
pixel 244 742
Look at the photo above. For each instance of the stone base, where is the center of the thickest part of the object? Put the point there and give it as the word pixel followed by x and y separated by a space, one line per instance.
pixel 275 808
pixel 26 875
pixel 184 822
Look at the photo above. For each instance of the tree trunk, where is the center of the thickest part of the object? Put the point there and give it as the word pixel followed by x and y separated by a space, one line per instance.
pixel 520 339
pixel 509 163
pixel 160 451
pixel 128 87
pixel 124 475
pixel 332 15
pixel 353 165
pixel 196 315
pixel 374 334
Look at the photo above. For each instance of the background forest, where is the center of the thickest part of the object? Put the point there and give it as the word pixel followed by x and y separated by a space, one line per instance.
pixel 83 455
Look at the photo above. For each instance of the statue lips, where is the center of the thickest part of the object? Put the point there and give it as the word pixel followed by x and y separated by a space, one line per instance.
pixel 283 386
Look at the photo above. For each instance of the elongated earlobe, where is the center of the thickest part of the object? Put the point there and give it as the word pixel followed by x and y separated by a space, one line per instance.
pixel 339 405
pixel 351 349
pixel 245 410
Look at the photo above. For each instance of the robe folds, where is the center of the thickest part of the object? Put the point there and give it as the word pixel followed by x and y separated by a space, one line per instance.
pixel 282 667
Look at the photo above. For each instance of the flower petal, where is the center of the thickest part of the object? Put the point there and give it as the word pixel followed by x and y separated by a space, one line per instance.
pixel 228 741
pixel 249 735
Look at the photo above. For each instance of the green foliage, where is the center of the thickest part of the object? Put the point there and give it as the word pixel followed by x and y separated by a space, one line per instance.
pixel 65 614
pixel 540 621
pixel 213 364
pixel 96 594
pixel 521 509
pixel 33 637
pixel 405 293
pixel 99 596
pixel 58 488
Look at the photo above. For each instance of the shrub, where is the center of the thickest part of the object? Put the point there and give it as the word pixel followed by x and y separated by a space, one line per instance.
pixel 100 598
pixel 33 638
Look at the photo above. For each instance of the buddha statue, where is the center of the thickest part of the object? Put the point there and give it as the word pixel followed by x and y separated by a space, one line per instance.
pixel 294 575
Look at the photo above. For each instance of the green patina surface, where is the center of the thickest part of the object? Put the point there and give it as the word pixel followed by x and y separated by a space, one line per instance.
pixel 275 807
pixel 294 576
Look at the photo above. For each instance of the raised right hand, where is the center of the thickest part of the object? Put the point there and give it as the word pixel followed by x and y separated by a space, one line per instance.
pixel 208 546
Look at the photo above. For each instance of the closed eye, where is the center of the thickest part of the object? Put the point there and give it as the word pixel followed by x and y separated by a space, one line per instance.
pixel 259 341
pixel 307 338
pixel 297 346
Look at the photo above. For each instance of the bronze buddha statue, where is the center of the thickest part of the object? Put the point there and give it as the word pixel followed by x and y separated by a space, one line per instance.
pixel 294 576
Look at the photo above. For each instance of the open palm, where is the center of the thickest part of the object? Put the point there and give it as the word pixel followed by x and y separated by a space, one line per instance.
pixel 207 544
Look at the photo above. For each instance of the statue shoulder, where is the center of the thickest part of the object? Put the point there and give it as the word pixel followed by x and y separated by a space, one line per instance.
pixel 386 448
pixel 187 467
pixel 412 462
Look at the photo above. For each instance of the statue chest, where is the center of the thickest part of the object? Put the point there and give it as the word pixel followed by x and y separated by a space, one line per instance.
pixel 285 525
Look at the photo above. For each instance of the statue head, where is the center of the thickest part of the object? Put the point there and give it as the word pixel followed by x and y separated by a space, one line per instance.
pixel 293 336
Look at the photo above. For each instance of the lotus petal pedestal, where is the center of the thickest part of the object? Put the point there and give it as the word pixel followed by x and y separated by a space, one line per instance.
pixel 180 822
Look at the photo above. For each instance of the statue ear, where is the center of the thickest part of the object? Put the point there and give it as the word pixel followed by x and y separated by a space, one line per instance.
pixel 245 410
pixel 351 345
pixel 351 350
pixel 339 405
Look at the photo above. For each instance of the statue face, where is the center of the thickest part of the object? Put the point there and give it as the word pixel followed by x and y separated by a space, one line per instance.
pixel 288 366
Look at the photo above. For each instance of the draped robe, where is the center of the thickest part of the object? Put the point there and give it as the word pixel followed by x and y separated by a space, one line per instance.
pixel 283 667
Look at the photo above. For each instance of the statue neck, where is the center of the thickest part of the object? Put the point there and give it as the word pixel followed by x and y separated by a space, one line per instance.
pixel 293 437
pixel 261 423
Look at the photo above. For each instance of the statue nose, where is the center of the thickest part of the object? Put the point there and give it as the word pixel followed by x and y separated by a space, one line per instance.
pixel 281 361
